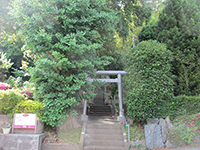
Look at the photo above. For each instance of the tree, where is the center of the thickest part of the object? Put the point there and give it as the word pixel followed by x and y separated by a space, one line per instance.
pixel 10 42
pixel 179 27
pixel 149 82
pixel 66 35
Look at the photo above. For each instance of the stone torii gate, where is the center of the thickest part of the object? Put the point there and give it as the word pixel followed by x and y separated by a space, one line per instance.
pixel 117 80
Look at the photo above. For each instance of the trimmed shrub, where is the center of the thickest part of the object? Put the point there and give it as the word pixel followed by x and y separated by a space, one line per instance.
pixel 29 106
pixel 8 99
pixel 149 82
pixel 188 105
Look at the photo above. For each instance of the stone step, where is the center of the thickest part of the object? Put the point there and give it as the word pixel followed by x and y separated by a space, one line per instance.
pixel 99 114
pixel 103 126
pixel 103 148
pixel 100 110
pixel 104 137
pixel 103 131
pixel 100 107
pixel 107 143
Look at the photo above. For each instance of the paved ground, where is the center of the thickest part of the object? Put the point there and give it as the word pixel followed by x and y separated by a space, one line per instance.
pixel 187 148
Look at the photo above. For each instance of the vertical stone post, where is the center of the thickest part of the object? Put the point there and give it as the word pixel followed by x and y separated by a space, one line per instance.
pixel 85 107
pixel 133 40
pixel 84 117
pixel 120 117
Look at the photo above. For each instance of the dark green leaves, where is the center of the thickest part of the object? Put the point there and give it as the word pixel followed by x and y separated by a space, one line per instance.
pixel 149 83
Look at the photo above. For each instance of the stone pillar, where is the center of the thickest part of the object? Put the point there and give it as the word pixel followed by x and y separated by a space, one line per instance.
pixel 133 40
pixel 120 117
pixel 84 117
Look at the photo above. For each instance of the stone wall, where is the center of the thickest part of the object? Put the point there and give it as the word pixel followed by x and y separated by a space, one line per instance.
pixel 61 146
pixel 21 141
pixel 4 119
pixel 39 129
pixel 156 132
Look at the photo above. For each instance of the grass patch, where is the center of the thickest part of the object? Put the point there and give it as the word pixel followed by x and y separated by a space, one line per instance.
pixel 70 136
pixel 136 132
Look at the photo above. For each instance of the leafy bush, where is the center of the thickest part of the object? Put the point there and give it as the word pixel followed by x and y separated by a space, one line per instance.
pixel 5 64
pixel 29 106
pixel 149 82
pixel 15 82
pixel 147 33
pixel 178 28
pixel 188 105
pixel 186 127
pixel 8 100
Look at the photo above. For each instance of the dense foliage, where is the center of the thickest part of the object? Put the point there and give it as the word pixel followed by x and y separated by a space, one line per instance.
pixel 8 99
pixel 10 42
pixel 5 64
pixel 149 82
pixel 29 106
pixel 187 105
pixel 66 36
pixel 178 27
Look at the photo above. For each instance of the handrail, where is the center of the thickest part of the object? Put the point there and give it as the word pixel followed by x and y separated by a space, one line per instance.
pixel 127 125
pixel 124 119
pixel 113 104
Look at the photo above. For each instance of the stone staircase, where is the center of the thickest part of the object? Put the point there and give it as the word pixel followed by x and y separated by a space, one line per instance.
pixel 99 111
pixel 104 135
pixel 102 132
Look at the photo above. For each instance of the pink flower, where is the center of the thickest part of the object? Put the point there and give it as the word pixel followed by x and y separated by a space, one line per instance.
pixel 198 131
pixel 181 120
pixel 171 118
pixel 190 120
pixel 27 92
pixel 4 86
pixel 185 121
pixel 188 125
pixel 196 118
pixel 172 133
pixel 168 137
pixel 179 123
pixel 172 141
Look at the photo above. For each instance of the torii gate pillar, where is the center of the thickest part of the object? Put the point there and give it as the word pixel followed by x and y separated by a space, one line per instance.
pixel 120 117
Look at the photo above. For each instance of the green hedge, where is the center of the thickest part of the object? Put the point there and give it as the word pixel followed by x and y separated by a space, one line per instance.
pixel 8 100
pixel 149 82
pixel 188 105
